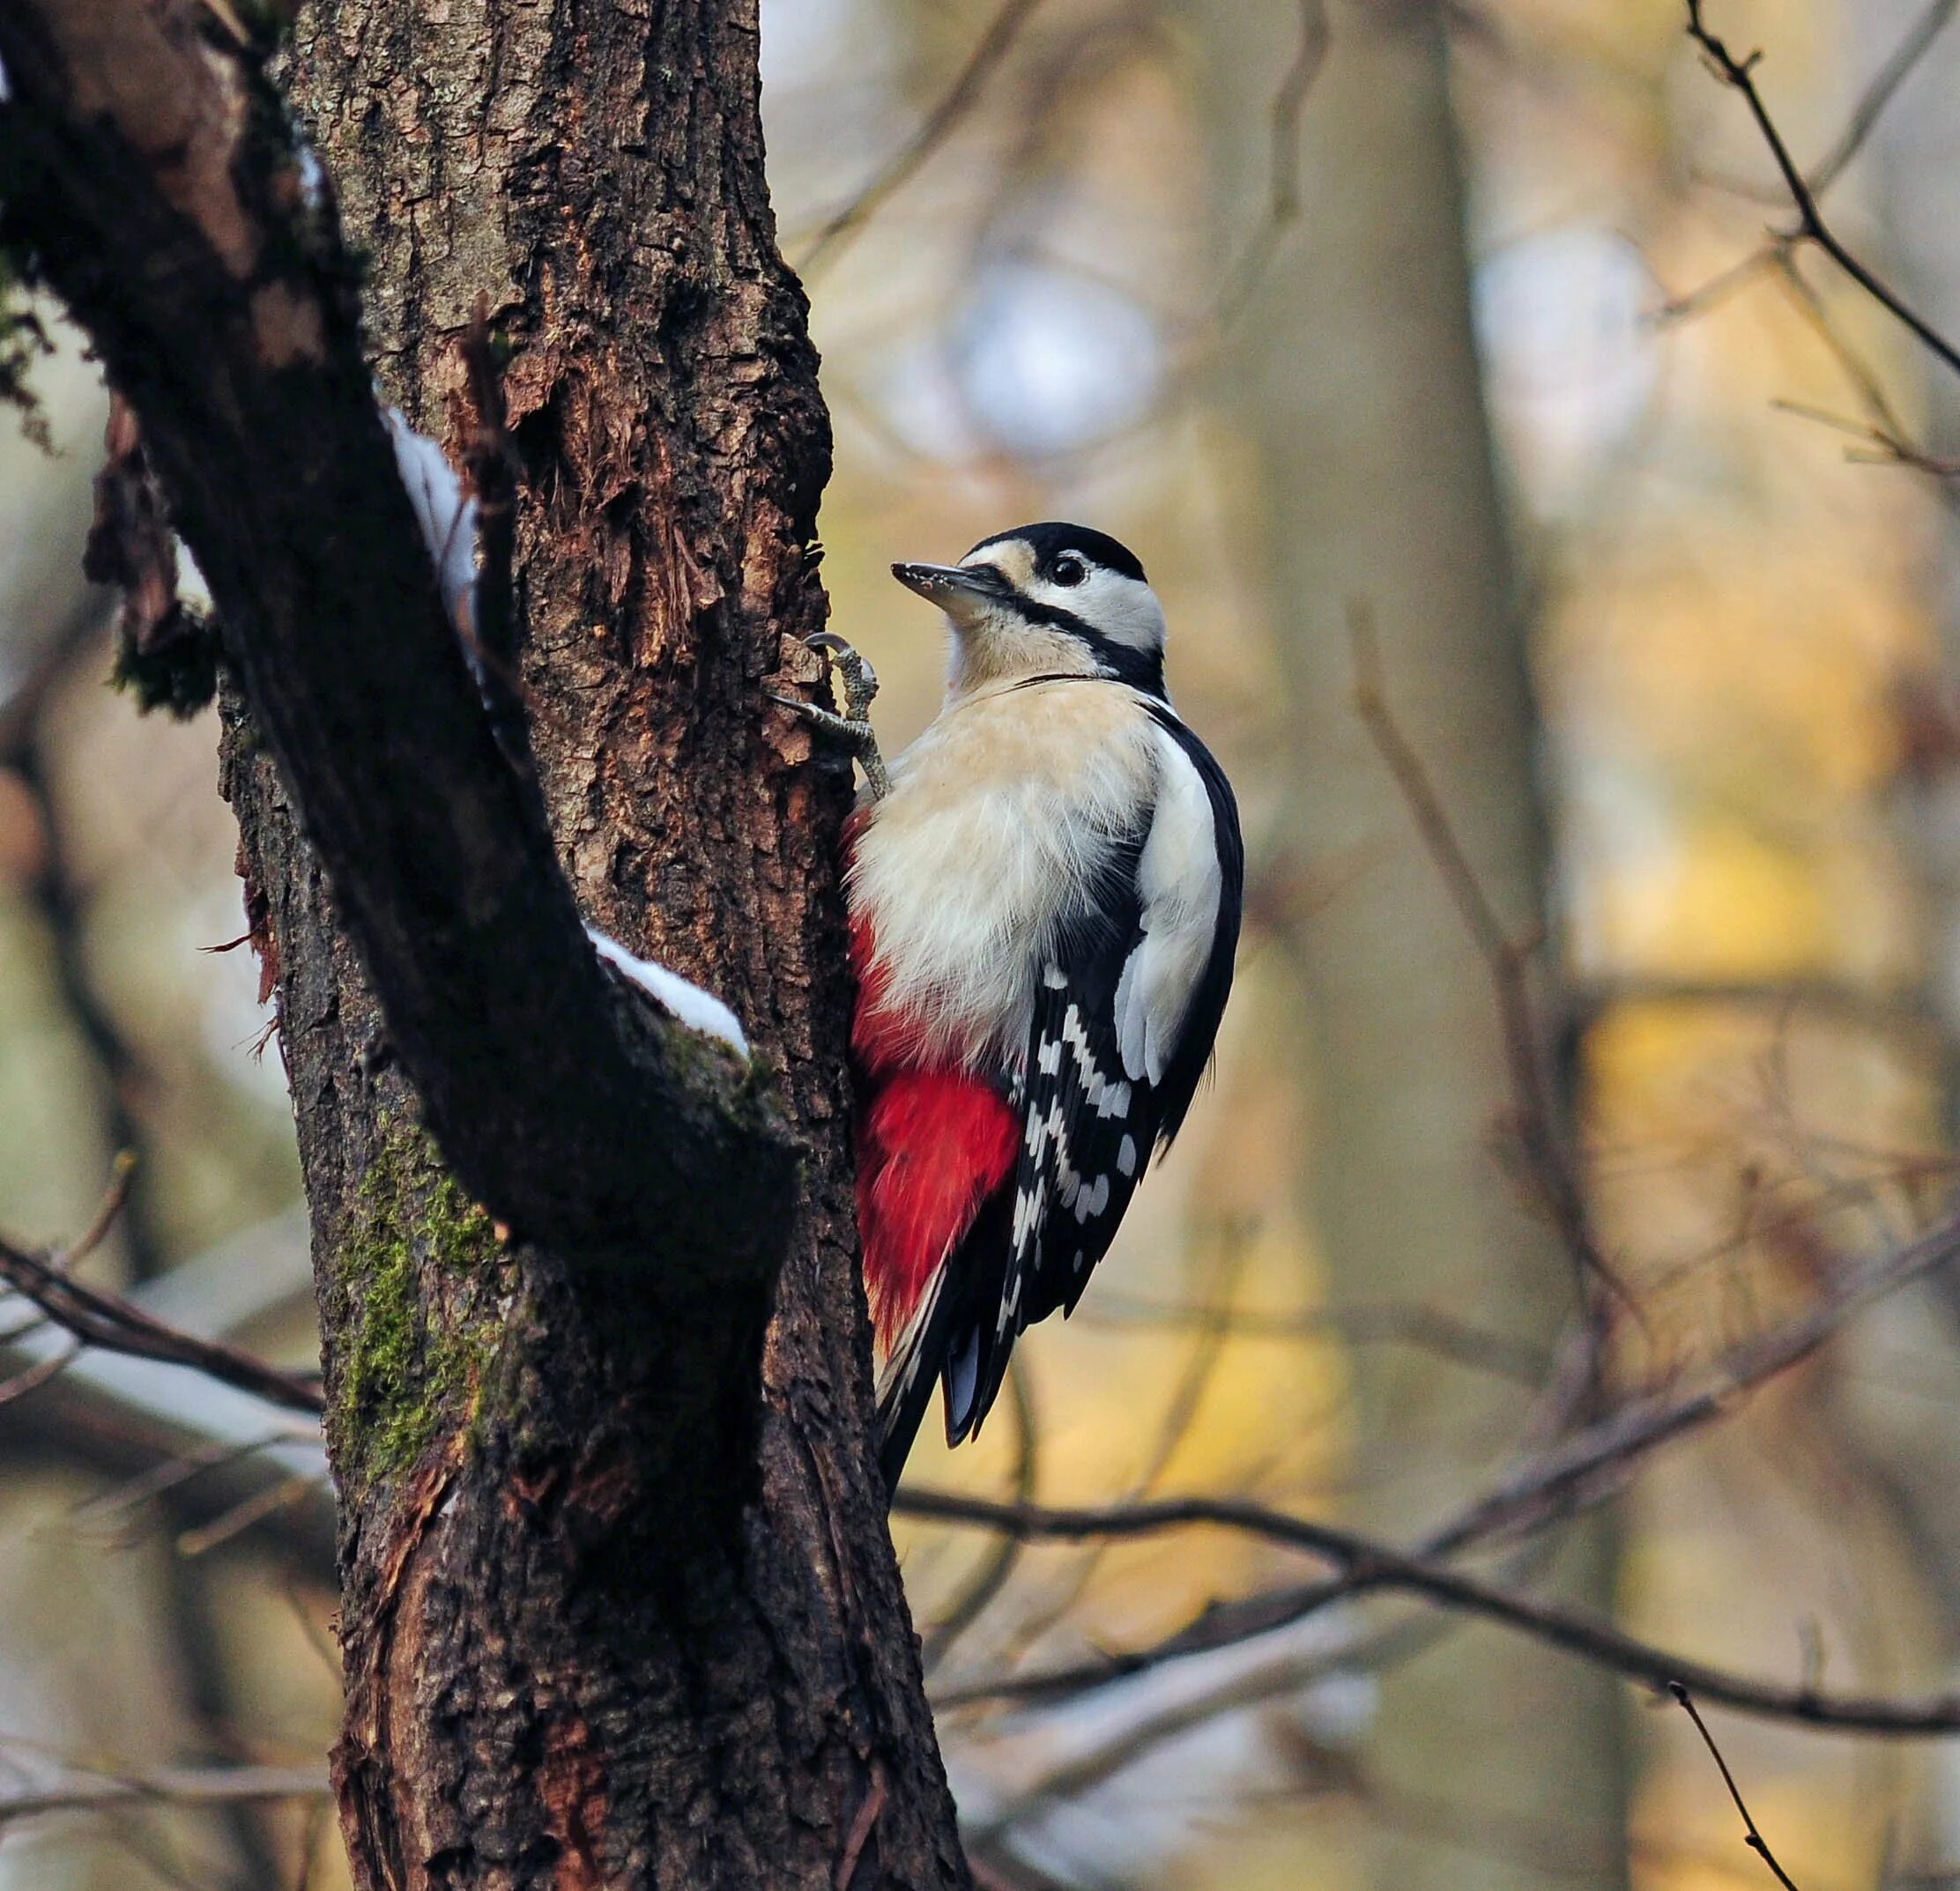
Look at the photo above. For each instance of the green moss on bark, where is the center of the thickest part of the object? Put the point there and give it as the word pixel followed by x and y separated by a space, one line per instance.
pixel 419 1270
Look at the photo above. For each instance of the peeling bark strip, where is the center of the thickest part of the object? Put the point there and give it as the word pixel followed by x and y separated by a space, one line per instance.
pixel 563 1669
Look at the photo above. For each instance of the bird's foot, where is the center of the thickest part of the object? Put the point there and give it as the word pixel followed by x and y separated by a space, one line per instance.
pixel 852 730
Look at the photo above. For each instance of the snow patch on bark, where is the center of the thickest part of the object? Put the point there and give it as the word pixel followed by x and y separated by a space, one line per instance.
pixel 448 520
pixel 313 175
pixel 698 1010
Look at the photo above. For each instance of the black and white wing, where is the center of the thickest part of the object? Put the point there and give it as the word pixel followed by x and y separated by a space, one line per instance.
pixel 1126 1011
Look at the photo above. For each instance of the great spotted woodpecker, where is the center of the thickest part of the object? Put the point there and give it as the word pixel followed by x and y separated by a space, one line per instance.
pixel 1045 902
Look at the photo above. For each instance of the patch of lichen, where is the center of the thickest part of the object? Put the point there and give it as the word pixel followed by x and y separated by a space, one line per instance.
pixel 417 1345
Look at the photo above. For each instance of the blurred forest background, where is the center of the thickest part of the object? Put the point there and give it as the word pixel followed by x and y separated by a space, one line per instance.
pixel 1455 333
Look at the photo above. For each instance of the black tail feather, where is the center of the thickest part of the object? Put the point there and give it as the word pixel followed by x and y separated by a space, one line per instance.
pixel 898 1425
pixel 966 1317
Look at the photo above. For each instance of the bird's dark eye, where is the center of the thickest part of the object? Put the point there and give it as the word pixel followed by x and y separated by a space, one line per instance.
pixel 1069 569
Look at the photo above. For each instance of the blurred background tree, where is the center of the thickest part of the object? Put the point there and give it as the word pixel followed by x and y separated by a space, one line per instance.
pixel 1348 366
pixel 1459 318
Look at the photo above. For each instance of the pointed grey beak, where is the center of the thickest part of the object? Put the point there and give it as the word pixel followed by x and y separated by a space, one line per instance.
pixel 946 585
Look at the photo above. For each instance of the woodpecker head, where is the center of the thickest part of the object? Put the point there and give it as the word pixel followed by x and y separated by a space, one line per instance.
pixel 1048 599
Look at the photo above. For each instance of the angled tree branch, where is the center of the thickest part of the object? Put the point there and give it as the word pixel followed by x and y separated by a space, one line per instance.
pixel 1369 1566
pixel 149 172
pixel 1577 1469
pixel 117 1325
pixel 938 125
pixel 165 1786
pixel 1753 1835
pixel 1363 1563
pixel 660 1543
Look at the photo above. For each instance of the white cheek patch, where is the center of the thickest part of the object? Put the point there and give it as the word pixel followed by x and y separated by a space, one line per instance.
pixel 1119 608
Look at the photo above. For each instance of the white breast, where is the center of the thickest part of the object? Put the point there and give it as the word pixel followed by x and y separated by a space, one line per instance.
pixel 998 816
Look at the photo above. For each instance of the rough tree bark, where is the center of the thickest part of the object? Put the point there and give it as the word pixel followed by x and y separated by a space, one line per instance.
pixel 620 1605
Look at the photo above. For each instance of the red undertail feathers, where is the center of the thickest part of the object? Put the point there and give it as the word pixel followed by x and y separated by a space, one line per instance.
pixel 933 1145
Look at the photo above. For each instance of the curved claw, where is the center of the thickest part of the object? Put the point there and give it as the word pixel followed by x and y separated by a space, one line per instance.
pixel 853 728
pixel 859 679
pixel 853 732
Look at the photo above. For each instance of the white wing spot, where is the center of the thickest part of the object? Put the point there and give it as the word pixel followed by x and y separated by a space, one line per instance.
pixel 1055 978
pixel 1126 1156
pixel 1024 1216
pixel 1108 1099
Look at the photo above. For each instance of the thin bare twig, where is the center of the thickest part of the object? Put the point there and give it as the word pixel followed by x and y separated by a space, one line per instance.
pixel 993 1574
pixel 1185 1397
pixel 1426 1328
pixel 1878 447
pixel 1282 208
pixel 1883 87
pixel 37 1375
pixel 1188 1395
pixel 1287 103
pixel 1369 1566
pixel 1891 1010
pixel 106 1515
pixel 1643 1425
pixel 240 1517
pixel 1871 107
pixel 169 1786
pixel 1754 1839
pixel 1740 76
pixel 1576 1471
pixel 1718 288
pixel 60 894
pixel 1884 432
pixel 938 125
pixel 97 1318
pixel 1547 1164
pixel 115 1199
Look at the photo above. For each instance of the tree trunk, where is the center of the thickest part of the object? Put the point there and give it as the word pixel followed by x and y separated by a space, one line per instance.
pixel 1352 369
pixel 546 1684
pixel 619 1602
